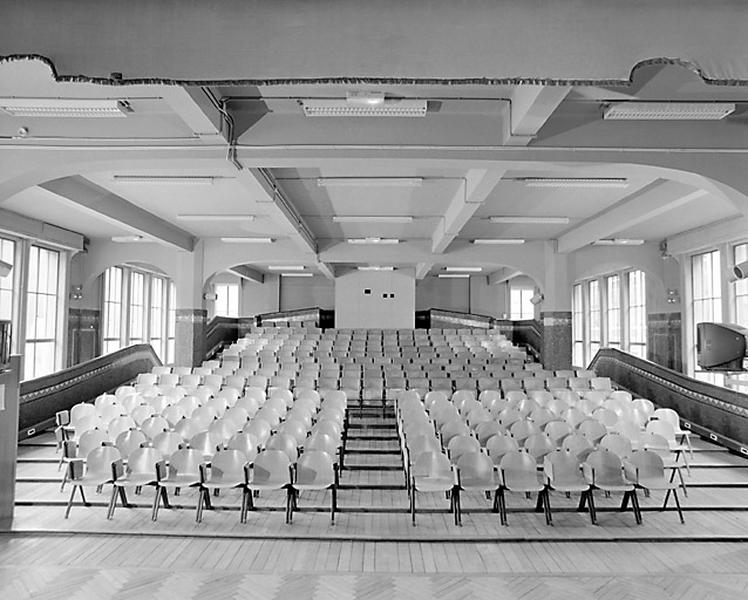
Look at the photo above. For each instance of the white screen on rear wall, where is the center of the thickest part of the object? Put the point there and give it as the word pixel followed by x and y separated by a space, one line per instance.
pixel 377 309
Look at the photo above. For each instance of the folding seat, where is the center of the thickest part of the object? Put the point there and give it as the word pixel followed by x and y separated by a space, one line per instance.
pixel 324 442
pixel 671 416
pixel 246 443
pixel 228 470
pixel 167 442
pixel 295 428
pixel 453 428
pixel 432 472
pixel 461 445
pixel 285 443
pixel 523 429
pixel 95 472
pixel 258 429
pixel 563 474
pixel 518 473
pixel 538 445
pixel 578 444
pixel 604 471
pixel 558 430
pixel 272 470
pixel 77 450
pixel 315 471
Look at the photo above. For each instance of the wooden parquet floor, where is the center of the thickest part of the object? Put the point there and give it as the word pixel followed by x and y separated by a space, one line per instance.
pixel 373 551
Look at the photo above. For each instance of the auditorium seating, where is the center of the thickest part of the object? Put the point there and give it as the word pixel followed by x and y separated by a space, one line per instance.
pixel 272 412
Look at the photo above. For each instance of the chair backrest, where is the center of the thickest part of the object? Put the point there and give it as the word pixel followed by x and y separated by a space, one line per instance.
pixel 462 444
pixel 173 414
pixel 128 441
pixel 204 415
pixel 260 429
pixel 594 430
pixel 223 429
pixel 187 428
pixel 315 467
pixel 607 467
pixel 271 466
pixel 284 443
pixel 523 429
pixel 99 461
pixel 618 444
pixel 486 430
pixel 498 445
pixel 143 461
pixel 245 443
pixel 645 406
pixel 322 441
pixel 424 442
pixel 539 444
pixel 285 395
pixel 228 466
pixel 517 466
pixel 189 404
pixel 205 442
pixel 648 465
pixel 152 426
pixel 167 442
pixel 453 428
pixel 81 411
pixel 663 428
pixel 330 427
pixel 475 468
pixel 431 464
pixel 89 440
pixel 563 467
pixel 294 428
pixel 185 462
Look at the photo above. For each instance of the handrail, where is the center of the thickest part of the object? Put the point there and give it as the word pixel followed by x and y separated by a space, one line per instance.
pixel 709 410
pixel 42 397
pixel 220 332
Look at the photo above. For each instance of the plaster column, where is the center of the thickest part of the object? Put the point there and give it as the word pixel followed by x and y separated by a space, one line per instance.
pixel 555 310
pixel 191 314
pixel 664 317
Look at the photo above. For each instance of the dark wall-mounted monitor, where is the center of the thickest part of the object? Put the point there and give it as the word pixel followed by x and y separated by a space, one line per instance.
pixel 720 346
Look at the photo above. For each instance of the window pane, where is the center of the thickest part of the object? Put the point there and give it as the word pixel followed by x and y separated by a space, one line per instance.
pixel 137 304
pixel 706 291
pixel 613 317
pixel 227 300
pixel 42 306
pixel 7 254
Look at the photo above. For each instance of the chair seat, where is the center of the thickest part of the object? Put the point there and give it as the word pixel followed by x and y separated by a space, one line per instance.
pixel 478 484
pixel 181 481
pixel 311 486
pixel 91 481
pixel 570 487
pixel 269 486
pixel 434 484
pixel 615 487
pixel 525 487
pixel 657 483
pixel 223 485
pixel 135 480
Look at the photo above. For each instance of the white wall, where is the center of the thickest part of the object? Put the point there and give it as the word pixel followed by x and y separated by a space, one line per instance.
pixel 303 292
pixel 353 308
pixel 448 294
pixel 259 298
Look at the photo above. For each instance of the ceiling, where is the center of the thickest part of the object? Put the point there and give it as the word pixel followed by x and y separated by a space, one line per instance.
pixel 266 167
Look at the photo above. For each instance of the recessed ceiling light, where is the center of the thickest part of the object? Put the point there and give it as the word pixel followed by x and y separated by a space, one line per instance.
pixel 464 269
pixel 618 242
pixel 344 108
pixel 216 217
pixel 365 98
pixel 247 240
pixel 370 181
pixel 166 179
pixel 126 239
pixel 286 267
pixel 373 240
pixel 531 220
pixel 498 241
pixel 297 274
pixel 373 268
pixel 372 219
pixel 668 111
pixel 64 108
pixel 574 182
pixel 453 275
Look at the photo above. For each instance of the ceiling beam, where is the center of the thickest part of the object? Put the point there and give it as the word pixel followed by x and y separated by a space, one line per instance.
pixel 193 106
pixel 532 106
pixel 20 225
pixel 102 203
pixel 327 270
pixel 652 200
pixel 502 275
pixel 477 185
pixel 265 191
pixel 422 269
pixel 248 273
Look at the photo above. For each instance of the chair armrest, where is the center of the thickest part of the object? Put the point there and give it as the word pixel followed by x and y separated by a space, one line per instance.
pixel 589 473
pixel 70 449
pixel 203 473
pixel 456 476
pixel 118 469
pixel 161 471
pixel 630 472
pixel 75 469
pixel 292 473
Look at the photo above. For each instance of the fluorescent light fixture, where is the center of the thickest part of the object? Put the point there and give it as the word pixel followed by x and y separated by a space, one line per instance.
pixel 499 241
pixel 373 240
pixel 127 239
pixel 166 179
pixel 247 240
pixel 64 107
pixel 286 267
pixel 618 242
pixel 297 274
pixel 374 268
pixel 194 217
pixel 531 220
pixel 574 182
pixel 453 275
pixel 365 98
pixel 668 111
pixel 355 108
pixel 371 219
pixel 370 181
pixel 463 269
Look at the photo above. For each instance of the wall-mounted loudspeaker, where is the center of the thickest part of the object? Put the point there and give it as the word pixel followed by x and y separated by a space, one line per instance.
pixel 741 270
pixel 5 268
pixel 537 298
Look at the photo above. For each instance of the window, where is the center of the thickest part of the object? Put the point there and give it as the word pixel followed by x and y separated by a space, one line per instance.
pixel 171 326
pixel 41 313
pixel 594 318
pixel 112 323
pixel 137 307
pixel 157 323
pixel 520 306
pixel 706 294
pixel 741 287
pixel 637 314
pixel 577 326
pixel 613 310
pixel 7 254
pixel 227 300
